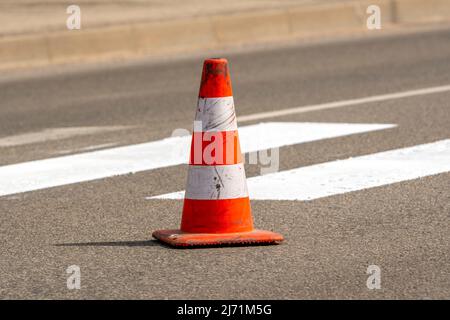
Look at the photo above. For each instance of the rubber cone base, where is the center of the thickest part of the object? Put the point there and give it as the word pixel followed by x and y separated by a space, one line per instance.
pixel 178 238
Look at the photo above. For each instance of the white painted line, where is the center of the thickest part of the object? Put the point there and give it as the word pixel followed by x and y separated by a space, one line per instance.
pixel 343 103
pixel 338 177
pixel 41 174
pixel 269 135
pixel 88 148
pixel 55 134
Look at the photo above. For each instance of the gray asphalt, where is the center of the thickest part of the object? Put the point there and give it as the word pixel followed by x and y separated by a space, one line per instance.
pixel 105 226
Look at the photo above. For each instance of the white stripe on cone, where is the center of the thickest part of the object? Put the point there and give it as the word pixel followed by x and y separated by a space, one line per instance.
pixel 215 114
pixel 216 182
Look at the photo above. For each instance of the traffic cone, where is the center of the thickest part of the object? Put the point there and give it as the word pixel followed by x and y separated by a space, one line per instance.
pixel 216 207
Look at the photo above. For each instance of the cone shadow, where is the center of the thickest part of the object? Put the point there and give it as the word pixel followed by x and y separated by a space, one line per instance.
pixel 156 243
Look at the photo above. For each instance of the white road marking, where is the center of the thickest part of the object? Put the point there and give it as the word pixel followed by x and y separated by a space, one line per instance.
pixel 88 148
pixel 342 176
pixel 55 134
pixel 343 103
pixel 41 174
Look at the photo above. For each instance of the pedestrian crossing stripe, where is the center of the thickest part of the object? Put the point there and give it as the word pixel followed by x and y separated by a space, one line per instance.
pixel 342 176
pixel 59 171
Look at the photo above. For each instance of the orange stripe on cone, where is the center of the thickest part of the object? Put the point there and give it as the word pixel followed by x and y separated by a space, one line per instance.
pixel 215 148
pixel 216 216
pixel 216 207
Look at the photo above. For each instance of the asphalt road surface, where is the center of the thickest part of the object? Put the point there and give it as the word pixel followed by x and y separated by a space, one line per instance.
pixel 104 225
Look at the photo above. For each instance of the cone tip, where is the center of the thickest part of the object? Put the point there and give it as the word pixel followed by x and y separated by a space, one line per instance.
pixel 216 60
pixel 216 65
pixel 215 79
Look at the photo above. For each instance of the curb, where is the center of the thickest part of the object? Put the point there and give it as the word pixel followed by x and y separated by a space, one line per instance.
pixel 212 32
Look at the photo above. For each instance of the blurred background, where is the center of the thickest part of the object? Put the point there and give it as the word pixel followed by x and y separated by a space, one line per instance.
pixel 34 32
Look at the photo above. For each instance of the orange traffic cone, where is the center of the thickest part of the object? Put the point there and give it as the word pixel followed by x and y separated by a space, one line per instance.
pixel 216 206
